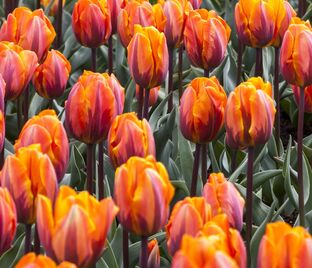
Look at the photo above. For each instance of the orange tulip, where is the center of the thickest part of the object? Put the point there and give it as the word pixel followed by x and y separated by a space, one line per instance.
pixel 47 130
pixel 138 182
pixel 50 78
pixel 41 261
pixel 31 30
pixel 16 67
pixel 54 6
pixel 307 97
pixel 206 36
pixel 129 136
pixel 93 103
pixel 2 112
pixel 196 211
pixel 153 96
pixel 75 228
pixel 153 254
pixel 27 174
pixel 296 50
pixel 202 109
pixel 245 126
pixel 148 57
pixel 115 7
pixel 223 197
pixel 284 246
pixel 8 220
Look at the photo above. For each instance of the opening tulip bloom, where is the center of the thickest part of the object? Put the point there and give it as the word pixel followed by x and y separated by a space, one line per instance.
pixel 245 126
pixel 54 7
pixel 284 246
pixel 76 227
pixel 206 37
pixel 31 30
pixel 48 131
pixel 93 103
pixel 27 174
pixel 138 182
pixel 50 78
pixel 153 254
pixel 307 97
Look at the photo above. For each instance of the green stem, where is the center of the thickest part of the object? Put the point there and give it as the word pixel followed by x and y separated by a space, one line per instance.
pixel 195 170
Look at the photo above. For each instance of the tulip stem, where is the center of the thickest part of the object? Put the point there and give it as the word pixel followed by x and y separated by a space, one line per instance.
pixel 101 173
pixel 195 170
pixel 277 100
pixel 233 160
pixel 37 241
pixel 140 100
pixel 38 4
pixel 204 163
pixel 146 103
pixel 93 59
pixel 19 112
pixel 170 80
pixel 144 253
pixel 59 24
pixel 239 62
pixel 180 69
pixel 27 247
pixel 249 203
pixel 125 248
pixel 206 73
pixel 7 7
pixel 259 63
pixel 50 104
pixel 90 161
pixel 300 155
pixel 26 104
pixel 301 7
pixel 110 55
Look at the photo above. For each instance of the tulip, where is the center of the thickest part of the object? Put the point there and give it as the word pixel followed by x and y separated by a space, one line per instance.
pixel 206 36
pixel 2 118
pixel 129 136
pixel 153 96
pixel 31 30
pixel 196 211
pixel 76 227
pixel 284 246
pixel 8 220
pixel 196 3
pixel 48 131
pixel 54 5
pixel 50 78
pixel 91 22
pixel 153 254
pixel 27 174
pixel 307 97
pixel 16 67
pixel 115 7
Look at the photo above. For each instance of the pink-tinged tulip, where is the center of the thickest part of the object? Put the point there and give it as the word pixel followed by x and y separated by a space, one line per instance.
pixel 196 3
pixel 307 97
pixel 296 50
pixel 245 126
pixel 159 17
pixel 16 67
pixel 202 109
pixel 76 227
pixel 284 246
pixel 153 254
pixel 129 136
pixel 50 78
pixel 8 220
pixel 2 112
pixel 138 182
pixel 223 197
pixel 48 131
pixel 93 103
pixel 27 174
pixel 197 212
pixel 31 30
pixel 148 57
pixel 54 6
pixel 153 96
pixel 91 22
pixel 115 7
pixel 206 37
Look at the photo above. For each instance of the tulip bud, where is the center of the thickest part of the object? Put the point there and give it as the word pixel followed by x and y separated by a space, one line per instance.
pixel 8 220
pixel 54 5
pixel 196 3
pixel 93 103
pixel 138 182
pixel 31 30
pixel 50 78
pixel 2 112
pixel 91 22
pixel 206 37
pixel 202 109
pixel 296 52
pixel 153 254
pixel 245 126
pixel 75 228
pixel 129 136
pixel 48 131
pixel 284 246
pixel 196 211
pixel 307 97
pixel 153 96
pixel 115 7
pixel 148 57
pixel 16 67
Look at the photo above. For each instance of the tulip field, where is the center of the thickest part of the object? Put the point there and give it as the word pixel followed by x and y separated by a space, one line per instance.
pixel 155 134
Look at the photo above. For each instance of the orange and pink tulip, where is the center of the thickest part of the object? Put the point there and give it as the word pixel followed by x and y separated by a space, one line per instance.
pixel 153 254
pixel 115 7
pixel 54 5
pixel 307 97
pixel 2 112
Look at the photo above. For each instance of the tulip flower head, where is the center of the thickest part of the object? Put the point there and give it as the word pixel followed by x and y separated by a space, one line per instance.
pixel 153 254
pixel 115 7
pixel 54 5
pixel 307 97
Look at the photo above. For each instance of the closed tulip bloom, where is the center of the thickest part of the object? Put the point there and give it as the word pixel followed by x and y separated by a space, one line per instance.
pixel 27 174
pixel 31 30
pixel 196 3
pixel 153 96
pixel 138 182
pixel 307 97
pixel 8 220
pixel 197 212
pixel 295 51
pixel 93 103
pixel 153 254
pixel 48 131
pixel 2 112
pixel 202 109
pixel 206 37
pixel 76 227
pixel 91 22
pixel 223 197
pixel 54 6
pixel 284 246
pixel 50 78
pixel 16 67
pixel 129 136
pixel 115 7
pixel 148 57
pixel 245 126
